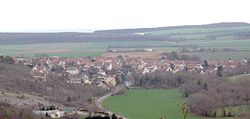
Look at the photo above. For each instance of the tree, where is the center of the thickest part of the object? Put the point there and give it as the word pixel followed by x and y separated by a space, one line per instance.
pixel 205 87
pixel 202 104
pixel 43 109
pixel 52 107
pixel 184 109
pixel 175 55
pixel 198 82
pixel 248 62
pixel 46 114
pixel 205 64
pixel 172 66
pixel 68 99
pixel 114 116
pixel 6 59
pixel 219 71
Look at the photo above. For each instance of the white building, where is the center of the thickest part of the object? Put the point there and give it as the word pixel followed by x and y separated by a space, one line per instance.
pixel 72 71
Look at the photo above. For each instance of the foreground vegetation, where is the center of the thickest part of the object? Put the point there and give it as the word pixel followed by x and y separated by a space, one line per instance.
pixel 7 111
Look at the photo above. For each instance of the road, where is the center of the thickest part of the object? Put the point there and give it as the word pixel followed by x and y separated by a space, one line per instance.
pixel 100 100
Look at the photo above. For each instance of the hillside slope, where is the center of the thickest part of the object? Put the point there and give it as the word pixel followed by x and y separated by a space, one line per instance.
pixel 171 33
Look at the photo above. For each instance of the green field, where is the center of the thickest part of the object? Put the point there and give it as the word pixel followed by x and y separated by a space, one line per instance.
pixel 76 49
pixel 53 49
pixel 148 104
pixel 97 48
pixel 238 55
pixel 241 47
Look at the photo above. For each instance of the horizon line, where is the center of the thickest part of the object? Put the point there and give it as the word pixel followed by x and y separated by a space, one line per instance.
pixel 104 29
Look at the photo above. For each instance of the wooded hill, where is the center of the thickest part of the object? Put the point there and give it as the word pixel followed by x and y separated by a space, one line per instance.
pixel 237 30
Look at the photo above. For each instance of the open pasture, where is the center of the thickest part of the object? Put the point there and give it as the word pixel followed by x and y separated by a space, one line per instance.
pixel 149 104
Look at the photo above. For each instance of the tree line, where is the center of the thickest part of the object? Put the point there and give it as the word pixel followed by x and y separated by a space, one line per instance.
pixel 31 38
pixel 217 97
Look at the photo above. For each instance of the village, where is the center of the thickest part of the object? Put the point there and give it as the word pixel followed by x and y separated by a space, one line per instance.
pixel 108 72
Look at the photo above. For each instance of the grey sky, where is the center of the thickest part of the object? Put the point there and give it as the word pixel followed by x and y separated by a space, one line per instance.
pixel 85 15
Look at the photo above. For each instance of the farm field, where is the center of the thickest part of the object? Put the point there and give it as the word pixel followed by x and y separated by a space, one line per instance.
pixel 238 55
pixel 241 47
pixel 53 49
pixel 75 49
pixel 78 49
pixel 143 55
pixel 220 43
pixel 148 104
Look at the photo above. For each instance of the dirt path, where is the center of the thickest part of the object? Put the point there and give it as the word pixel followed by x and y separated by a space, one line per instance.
pixel 100 100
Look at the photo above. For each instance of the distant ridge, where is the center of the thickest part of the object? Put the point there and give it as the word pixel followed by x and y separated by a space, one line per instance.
pixel 229 29
pixel 213 25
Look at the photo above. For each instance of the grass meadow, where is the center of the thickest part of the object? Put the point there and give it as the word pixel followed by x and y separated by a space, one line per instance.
pixel 149 104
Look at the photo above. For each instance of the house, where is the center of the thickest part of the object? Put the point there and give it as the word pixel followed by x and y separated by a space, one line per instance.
pixel 39 71
pixel 79 79
pixel 154 68
pixel 22 60
pixel 75 80
pixel 98 64
pixel 146 70
pixel 85 79
pixel 62 64
pixel 101 72
pixel 51 113
pixel 69 110
pixel 72 71
pixel 110 80
pixel 57 114
pixel 109 66
pixel 127 83
pixel 141 64
pixel 169 69
pixel 87 82
pixel 148 50
pixel 101 84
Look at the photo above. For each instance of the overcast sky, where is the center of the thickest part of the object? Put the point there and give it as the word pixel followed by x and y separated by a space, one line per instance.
pixel 85 15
